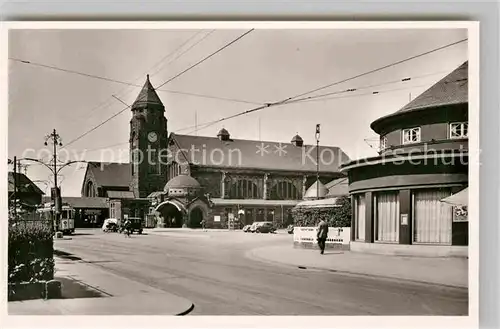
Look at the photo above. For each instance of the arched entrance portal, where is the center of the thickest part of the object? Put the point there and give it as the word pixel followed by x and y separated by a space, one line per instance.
pixel 172 215
pixel 195 218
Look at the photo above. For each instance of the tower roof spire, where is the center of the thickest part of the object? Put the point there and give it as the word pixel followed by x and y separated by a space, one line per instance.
pixel 147 95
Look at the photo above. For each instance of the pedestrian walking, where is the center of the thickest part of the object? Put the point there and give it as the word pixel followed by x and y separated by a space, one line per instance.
pixel 322 235
pixel 203 225
pixel 126 227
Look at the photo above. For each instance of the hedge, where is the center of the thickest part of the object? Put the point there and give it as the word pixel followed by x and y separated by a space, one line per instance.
pixel 335 217
pixel 30 252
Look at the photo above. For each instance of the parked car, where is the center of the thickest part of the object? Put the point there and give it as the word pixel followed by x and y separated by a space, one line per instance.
pixel 136 224
pixel 110 225
pixel 289 229
pixel 265 227
pixel 254 226
pixel 246 228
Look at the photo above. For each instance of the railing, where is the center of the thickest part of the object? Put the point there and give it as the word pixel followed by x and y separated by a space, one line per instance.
pixel 29 219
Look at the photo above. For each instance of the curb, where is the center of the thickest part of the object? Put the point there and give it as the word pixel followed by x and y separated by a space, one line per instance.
pixel 251 255
pixel 186 312
pixel 63 254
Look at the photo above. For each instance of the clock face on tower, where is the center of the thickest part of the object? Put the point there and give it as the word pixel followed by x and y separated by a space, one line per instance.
pixel 152 137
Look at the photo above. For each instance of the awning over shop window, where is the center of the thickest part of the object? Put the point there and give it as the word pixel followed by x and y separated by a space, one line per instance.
pixel 458 199
pixel 175 203
pixel 252 202
pixel 155 194
pixel 322 203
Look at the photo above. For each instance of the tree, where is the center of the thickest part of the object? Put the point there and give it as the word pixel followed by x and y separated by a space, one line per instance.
pixel 334 216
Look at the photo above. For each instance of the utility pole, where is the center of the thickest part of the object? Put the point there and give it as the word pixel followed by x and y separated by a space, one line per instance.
pixel 196 123
pixel 56 141
pixel 15 188
pixel 22 167
pixel 317 160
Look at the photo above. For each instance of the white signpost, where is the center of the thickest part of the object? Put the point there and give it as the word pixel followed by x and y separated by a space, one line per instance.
pixel 338 237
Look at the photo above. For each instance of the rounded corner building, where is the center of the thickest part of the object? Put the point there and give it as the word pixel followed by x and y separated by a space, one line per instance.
pixel 423 158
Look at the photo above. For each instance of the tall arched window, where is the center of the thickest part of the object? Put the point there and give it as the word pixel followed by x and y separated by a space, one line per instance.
pixel 173 170
pixel 244 189
pixel 89 189
pixel 285 191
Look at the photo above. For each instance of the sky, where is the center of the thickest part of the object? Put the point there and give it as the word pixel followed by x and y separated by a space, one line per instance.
pixel 265 66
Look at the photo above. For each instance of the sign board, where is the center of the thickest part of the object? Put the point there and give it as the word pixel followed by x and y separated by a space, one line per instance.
pixel 460 214
pixel 216 218
pixel 404 219
pixel 336 235
pixel 92 212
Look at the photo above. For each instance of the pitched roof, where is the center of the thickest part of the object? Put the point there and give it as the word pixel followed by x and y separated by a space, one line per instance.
pixel 338 187
pixel 23 184
pixel 147 95
pixel 452 89
pixel 120 194
pixel 111 174
pixel 241 153
pixel 314 191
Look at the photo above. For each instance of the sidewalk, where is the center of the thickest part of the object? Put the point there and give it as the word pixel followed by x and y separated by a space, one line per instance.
pixel 441 271
pixel 122 296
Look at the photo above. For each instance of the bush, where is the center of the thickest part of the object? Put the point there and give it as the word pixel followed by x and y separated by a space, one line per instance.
pixel 335 217
pixel 30 252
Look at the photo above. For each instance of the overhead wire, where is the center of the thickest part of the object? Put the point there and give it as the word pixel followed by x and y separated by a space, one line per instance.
pixel 138 85
pixel 379 69
pixel 311 98
pixel 316 97
pixel 290 99
pixel 209 124
pixel 159 63
pixel 164 83
pixel 285 101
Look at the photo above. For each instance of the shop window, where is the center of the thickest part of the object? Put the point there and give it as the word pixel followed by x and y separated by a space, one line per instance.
pixel 411 135
pixel 387 216
pixel 260 215
pixel 459 130
pixel 270 215
pixel 432 219
pixel 360 217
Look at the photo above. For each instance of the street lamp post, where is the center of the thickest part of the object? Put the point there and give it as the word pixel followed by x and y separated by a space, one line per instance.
pixel 56 140
pixel 54 169
pixel 317 160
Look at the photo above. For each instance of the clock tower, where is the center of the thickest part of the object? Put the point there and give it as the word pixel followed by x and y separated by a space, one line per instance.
pixel 148 143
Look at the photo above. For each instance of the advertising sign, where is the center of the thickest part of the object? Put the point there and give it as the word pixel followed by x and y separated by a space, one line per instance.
pixel 404 219
pixel 460 214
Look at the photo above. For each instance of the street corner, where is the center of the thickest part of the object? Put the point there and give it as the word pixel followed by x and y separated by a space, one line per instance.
pixel 138 304
pixel 281 255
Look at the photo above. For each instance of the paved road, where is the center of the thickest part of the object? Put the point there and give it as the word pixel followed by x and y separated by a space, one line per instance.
pixel 210 269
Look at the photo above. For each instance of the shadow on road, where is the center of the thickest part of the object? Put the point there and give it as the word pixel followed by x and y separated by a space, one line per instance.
pixel 65 255
pixel 74 289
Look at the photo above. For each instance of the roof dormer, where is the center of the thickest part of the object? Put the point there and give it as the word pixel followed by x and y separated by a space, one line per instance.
pixel 297 141
pixel 223 135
